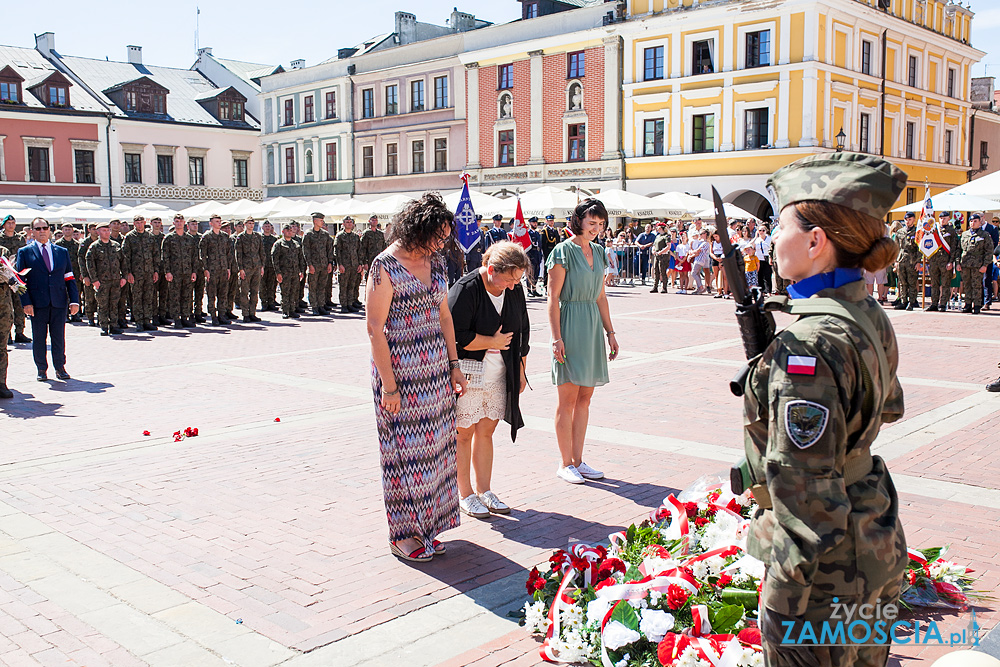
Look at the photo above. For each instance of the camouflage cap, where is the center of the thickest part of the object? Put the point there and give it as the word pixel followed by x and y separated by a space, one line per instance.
pixel 866 183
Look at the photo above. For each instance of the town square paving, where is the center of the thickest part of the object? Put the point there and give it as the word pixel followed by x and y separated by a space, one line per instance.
pixel 262 541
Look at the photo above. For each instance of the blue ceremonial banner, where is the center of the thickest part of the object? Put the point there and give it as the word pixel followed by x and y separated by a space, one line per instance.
pixel 465 220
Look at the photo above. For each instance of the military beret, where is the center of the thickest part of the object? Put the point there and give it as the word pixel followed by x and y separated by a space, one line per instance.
pixel 498 217
pixel 533 218
pixel 910 214
pixel 317 214
pixel 348 218
pixel 138 216
pixel 550 217
pixel 865 183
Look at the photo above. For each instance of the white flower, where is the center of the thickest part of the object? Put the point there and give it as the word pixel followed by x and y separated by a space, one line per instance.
pixel 689 658
pixel 597 609
pixel 722 531
pixel 655 624
pixel 617 635
pixel 572 616
pixel 624 661
pixel 751 658
pixel 655 597
pixel 655 566
pixel 536 616
pixel 573 647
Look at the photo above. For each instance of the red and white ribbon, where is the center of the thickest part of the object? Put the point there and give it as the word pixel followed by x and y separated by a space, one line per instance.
pixel 547 651
pixel 678 528
pixel 700 625
pixel 637 590
pixel 916 556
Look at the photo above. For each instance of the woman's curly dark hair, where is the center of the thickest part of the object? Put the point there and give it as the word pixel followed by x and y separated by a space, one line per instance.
pixel 418 225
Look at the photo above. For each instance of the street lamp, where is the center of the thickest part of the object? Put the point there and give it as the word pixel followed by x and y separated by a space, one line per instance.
pixel 841 138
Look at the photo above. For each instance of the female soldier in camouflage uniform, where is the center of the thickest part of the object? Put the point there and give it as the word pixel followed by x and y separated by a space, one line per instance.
pixel 828 528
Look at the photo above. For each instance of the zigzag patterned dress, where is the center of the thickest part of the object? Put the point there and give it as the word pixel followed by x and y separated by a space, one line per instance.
pixel 417 445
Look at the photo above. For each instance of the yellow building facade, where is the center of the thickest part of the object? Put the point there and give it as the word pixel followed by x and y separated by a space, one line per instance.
pixel 766 82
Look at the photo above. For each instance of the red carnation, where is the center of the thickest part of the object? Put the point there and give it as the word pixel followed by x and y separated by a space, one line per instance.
pixel 277 419
pixel 724 580
pixel 609 567
pixel 671 647
pixel 145 432
pixel 539 583
pixel 711 510
pixel 580 564
pixel 701 521
pixel 676 596
pixel 733 506
pixel 691 509
pixel 911 576
pixel 533 576
pixel 749 636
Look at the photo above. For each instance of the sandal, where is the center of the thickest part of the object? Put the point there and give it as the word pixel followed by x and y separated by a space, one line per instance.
pixel 439 548
pixel 417 556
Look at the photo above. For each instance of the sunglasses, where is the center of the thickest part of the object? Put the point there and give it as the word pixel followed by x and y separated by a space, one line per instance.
pixel 40 228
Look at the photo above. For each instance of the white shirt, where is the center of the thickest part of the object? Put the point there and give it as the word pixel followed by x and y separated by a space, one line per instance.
pixel 762 247
pixel 46 250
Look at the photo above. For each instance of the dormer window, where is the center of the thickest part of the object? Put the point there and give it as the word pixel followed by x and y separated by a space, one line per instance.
pixel 141 95
pixel 58 96
pixel 10 92
pixel 230 109
pixel 131 101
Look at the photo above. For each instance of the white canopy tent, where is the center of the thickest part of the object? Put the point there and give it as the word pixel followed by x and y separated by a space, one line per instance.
pixel 953 201
pixel 202 210
pixel 387 207
pixel 545 200
pixel 987 186
pixel 623 203
pixel 731 211
pixel 682 204
pixel 482 203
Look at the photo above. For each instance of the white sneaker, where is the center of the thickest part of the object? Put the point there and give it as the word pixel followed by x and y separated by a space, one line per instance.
pixel 473 507
pixel 570 474
pixel 589 473
pixel 494 504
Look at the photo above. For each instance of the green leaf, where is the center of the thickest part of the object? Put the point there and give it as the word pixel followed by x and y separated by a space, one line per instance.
pixel 625 614
pixel 740 596
pixel 630 533
pixel 725 618
pixel 633 573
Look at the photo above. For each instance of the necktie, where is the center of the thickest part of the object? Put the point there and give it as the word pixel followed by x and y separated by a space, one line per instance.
pixel 48 258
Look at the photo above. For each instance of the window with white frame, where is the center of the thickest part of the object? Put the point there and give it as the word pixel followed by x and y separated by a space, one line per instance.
pixel 703 56
pixel 911 131
pixel 911 71
pixel 949 138
pixel 417 156
pixel 864 132
pixel 757 131
pixel 652 136
pixel 758 49
pixel 703 133
pixel 866 56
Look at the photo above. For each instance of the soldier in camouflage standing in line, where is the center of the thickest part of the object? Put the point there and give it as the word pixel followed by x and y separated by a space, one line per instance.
pixel 118 231
pixel 349 267
pixel 977 257
pixel 88 295
pixel 906 265
pixel 162 289
pixel 331 258
pixel 233 288
pixel 7 298
pixel 13 242
pixel 314 249
pixel 289 267
pixel 268 284
pixel 828 526
pixel 141 262
pixel 250 262
pixel 215 250
pixel 372 242
pixel 297 239
pixel 179 253
pixel 940 266
pixel 199 269
pixel 72 246
pixel 104 269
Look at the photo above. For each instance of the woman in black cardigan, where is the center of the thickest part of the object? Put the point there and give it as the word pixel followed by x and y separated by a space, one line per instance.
pixel 491 326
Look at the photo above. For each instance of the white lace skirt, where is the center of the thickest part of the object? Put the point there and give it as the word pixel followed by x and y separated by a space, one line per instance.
pixel 488 402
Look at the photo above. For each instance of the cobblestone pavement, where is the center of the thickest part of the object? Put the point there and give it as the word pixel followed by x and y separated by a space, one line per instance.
pixel 263 542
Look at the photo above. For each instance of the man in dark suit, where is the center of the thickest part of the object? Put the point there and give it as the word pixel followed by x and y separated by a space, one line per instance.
pixel 51 292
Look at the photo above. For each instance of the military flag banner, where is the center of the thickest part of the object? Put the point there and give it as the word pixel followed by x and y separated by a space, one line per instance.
pixel 928 209
pixel 519 232
pixel 465 219
pixel 928 239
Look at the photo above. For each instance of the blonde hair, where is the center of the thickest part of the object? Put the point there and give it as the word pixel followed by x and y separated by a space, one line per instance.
pixel 505 256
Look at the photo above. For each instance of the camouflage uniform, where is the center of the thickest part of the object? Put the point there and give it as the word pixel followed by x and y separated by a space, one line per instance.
pixel 977 252
pixel 215 250
pixel 124 298
pixel 179 252
pixel 7 299
pixel 268 284
pixel 348 246
pixel 297 240
pixel 88 295
pixel 162 288
pixel 661 263
pixel 314 249
pixel 331 257
pixel 936 265
pixel 909 257
pixel 73 248
pixel 199 281
pixel 372 243
pixel 12 244
pixel 814 402
pixel 288 263
pixel 141 259
pixel 250 259
pixel 104 265
pixel 233 290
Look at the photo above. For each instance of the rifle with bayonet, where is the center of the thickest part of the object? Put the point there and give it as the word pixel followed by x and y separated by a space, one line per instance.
pixel 756 325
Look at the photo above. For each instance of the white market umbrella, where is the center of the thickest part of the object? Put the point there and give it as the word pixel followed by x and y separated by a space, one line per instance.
pixel 299 209
pixel 11 205
pixel 954 201
pixel 387 207
pixel 482 203
pixel 237 209
pixel 87 214
pixel 987 186
pixel 623 203
pixel 731 211
pixel 148 210
pixel 681 203
pixel 546 200
pixel 85 206
pixel 269 207
pixel 202 210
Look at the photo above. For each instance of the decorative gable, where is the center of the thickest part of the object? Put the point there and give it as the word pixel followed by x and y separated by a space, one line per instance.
pixel 139 96
pixel 53 90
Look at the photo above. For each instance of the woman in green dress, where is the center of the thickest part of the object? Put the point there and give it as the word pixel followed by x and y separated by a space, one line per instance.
pixel 578 311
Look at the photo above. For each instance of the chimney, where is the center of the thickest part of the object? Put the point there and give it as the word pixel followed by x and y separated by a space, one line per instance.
pixel 406 27
pixel 134 54
pixel 298 63
pixel 461 21
pixel 205 50
pixel 45 43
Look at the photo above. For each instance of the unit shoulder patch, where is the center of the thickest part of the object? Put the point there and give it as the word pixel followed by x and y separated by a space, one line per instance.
pixel 805 422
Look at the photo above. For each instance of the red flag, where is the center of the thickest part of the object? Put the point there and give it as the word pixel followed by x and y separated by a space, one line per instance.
pixel 519 233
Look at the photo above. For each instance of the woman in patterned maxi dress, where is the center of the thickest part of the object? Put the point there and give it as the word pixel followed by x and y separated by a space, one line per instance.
pixel 415 378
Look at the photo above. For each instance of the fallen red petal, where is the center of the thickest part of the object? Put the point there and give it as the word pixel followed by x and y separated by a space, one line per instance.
pixel 277 419
pixel 145 432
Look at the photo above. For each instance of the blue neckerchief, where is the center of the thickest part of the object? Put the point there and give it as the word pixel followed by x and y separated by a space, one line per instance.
pixel 821 281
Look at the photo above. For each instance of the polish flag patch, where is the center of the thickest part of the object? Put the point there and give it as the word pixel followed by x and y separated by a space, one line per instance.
pixel 801 365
